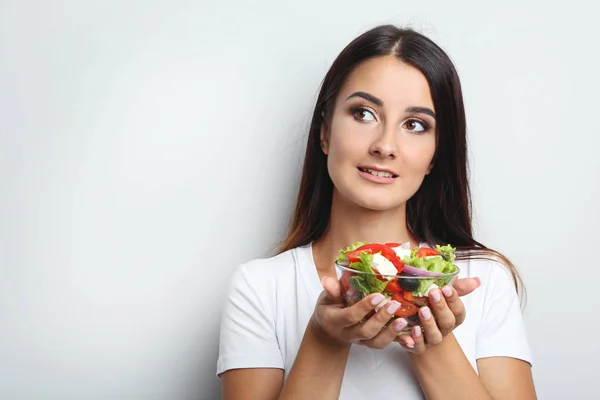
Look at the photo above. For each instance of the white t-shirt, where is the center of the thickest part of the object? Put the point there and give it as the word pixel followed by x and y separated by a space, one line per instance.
pixel 270 302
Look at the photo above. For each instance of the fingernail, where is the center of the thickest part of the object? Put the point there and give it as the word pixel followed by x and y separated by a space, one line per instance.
pixel 417 332
pixel 435 295
pixel 478 281
pixel 378 298
pixel 400 324
pixel 410 346
pixel 323 281
pixel 393 307
pixel 447 290
pixel 426 313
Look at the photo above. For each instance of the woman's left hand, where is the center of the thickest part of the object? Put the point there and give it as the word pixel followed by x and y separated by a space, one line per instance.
pixel 449 313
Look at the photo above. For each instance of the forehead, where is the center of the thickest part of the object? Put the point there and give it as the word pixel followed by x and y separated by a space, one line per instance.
pixel 396 83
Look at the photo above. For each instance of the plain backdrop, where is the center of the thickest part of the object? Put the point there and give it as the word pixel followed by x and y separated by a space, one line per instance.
pixel 147 148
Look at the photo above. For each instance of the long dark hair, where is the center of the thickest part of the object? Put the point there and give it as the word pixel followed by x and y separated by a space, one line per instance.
pixel 440 211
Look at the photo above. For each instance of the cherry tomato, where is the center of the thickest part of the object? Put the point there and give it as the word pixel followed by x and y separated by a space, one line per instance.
pixel 406 307
pixel 393 286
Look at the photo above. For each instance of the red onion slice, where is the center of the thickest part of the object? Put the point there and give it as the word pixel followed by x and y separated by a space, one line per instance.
pixel 418 272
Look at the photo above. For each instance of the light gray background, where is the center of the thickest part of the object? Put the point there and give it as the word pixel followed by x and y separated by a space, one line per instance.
pixel 149 147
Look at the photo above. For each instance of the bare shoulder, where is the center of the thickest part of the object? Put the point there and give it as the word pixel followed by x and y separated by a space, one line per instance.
pixel 251 384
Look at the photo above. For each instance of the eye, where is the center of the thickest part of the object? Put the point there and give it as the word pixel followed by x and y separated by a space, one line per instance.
pixel 362 114
pixel 414 125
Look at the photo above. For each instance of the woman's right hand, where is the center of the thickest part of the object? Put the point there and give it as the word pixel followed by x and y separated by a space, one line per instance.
pixel 341 324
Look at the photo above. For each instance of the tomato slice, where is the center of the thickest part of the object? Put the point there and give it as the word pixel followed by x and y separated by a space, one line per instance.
pixel 406 307
pixel 373 248
pixel 393 245
pixel 393 286
pixel 426 251
pixel 407 295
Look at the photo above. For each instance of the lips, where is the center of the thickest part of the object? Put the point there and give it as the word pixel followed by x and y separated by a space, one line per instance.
pixel 378 172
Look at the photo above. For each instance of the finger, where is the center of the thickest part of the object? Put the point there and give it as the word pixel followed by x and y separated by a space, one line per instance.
pixel 419 338
pixel 455 304
pixel 415 342
pixel 465 286
pixel 332 289
pixel 444 317
pixel 354 314
pixel 372 327
pixel 406 341
pixel 433 335
pixel 386 336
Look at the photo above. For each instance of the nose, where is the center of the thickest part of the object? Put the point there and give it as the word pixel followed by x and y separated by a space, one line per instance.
pixel 385 145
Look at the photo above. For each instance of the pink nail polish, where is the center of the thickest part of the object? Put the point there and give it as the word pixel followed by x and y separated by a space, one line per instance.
pixel 378 298
pixel 426 313
pixel 400 324
pixel 393 307
pixel 417 331
pixel 447 290
pixel 435 295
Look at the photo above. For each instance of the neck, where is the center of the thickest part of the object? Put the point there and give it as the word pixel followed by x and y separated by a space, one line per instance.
pixel 350 223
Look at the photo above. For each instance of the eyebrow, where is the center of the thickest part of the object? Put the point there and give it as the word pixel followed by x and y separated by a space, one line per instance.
pixel 379 102
pixel 367 96
pixel 421 110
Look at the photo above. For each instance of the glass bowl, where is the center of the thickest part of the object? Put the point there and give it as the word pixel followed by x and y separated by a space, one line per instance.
pixel 406 290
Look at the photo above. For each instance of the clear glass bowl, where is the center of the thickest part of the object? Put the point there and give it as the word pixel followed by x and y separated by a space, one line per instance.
pixel 351 279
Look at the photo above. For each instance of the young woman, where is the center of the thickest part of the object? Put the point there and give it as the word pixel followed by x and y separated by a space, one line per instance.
pixel 386 161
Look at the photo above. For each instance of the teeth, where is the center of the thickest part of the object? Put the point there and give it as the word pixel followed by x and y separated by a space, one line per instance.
pixel 379 173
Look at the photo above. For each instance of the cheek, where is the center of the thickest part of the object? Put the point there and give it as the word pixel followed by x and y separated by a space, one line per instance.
pixel 347 143
pixel 340 157
pixel 418 158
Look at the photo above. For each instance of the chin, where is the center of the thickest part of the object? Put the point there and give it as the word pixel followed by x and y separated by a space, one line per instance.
pixel 375 203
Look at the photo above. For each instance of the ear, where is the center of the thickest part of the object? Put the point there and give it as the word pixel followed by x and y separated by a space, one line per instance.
pixel 324 137
pixel 430 168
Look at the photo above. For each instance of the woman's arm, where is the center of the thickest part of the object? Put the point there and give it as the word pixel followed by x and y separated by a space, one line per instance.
pixel 320 364
pixel 316 373
pixel 319 368
pixel 445 373
pixel 441 365
pixel 507 378
pixel 251 384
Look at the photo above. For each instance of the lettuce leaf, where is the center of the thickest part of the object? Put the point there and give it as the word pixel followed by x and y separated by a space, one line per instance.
pixel 366 283
pixel 352 247
pixel 447 252
pixel 423 286
pixel 442 264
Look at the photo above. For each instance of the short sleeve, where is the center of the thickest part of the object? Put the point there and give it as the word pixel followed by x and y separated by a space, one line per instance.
pixel 248 338
pixel 502 330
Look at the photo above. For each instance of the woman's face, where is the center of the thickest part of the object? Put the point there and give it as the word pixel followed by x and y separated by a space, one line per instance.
pixel 381 139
